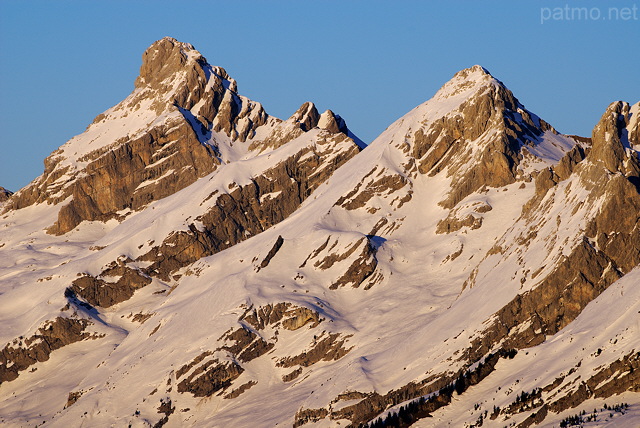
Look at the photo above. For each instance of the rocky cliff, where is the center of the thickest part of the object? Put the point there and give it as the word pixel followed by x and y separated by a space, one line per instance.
pixel 5 194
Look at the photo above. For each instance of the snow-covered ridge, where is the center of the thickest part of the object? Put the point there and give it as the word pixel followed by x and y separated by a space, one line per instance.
pixel 465 81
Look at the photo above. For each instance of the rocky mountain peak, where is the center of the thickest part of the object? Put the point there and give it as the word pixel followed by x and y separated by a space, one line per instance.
pixel 164 58
pixel 4 194
pixel 175 74
pixel 332 122
pixel 466 80
pixel 306 116
pixel 475 72
pixel 614 137
pixel 478 131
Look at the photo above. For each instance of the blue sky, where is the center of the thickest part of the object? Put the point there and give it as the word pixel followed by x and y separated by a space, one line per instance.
pixel 64 62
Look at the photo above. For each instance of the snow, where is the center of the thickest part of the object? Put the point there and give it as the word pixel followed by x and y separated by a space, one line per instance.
pixel 267 196
pixel 546 152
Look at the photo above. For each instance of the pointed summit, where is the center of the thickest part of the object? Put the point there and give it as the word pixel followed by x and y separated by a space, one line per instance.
pixel 477 130
pixel 306 116
pixel 332 122
pixel 466 81
pixel 164 58
pixel 473 73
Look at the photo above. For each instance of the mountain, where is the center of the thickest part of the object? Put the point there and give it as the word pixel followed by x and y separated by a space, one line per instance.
pixel 190 260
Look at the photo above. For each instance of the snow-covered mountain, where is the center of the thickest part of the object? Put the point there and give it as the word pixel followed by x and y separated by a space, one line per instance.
pixel 190 260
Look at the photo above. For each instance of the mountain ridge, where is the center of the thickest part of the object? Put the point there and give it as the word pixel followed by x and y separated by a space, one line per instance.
pixel 310 282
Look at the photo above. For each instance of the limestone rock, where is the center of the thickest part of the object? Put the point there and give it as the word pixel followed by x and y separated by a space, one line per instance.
pixel 329 348
pixel 303 120
pixel 241 213
pixel 210 377
pixel 491 126
pixel 4 194
pixel 290 316
pixel 272 252
pixel 307 116
pixel 611 138
pixel 332 122
pixel 22 353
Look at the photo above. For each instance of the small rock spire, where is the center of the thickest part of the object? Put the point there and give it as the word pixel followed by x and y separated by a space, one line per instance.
pixel 609 140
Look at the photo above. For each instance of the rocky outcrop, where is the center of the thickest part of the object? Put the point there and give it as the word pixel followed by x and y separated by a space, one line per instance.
pixel 329 348
pixel 240 390
pixel 292 375
pixel 360 269
pixel 303 120
pixel 387 185
pixel 287 315
pixel 24 352
pixel 272 252
pixel 167 409
pixel 568 162
pixel 304 416
pixel 306 117
pixel 611 138
pixel 175 68
pixel 245 345
pixel 73 397
pixel 210 377
pixel 332 123
pixel 4 194
pixel 100 292
pixel 469 215
pixel 115 284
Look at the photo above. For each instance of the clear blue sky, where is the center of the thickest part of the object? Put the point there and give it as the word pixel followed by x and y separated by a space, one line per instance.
pixel 63 62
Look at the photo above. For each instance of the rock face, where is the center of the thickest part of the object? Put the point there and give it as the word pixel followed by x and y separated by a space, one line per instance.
pixel 5 194
pixel 611 139
pixel 235 269
pixel 24 352
pixel 491 125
